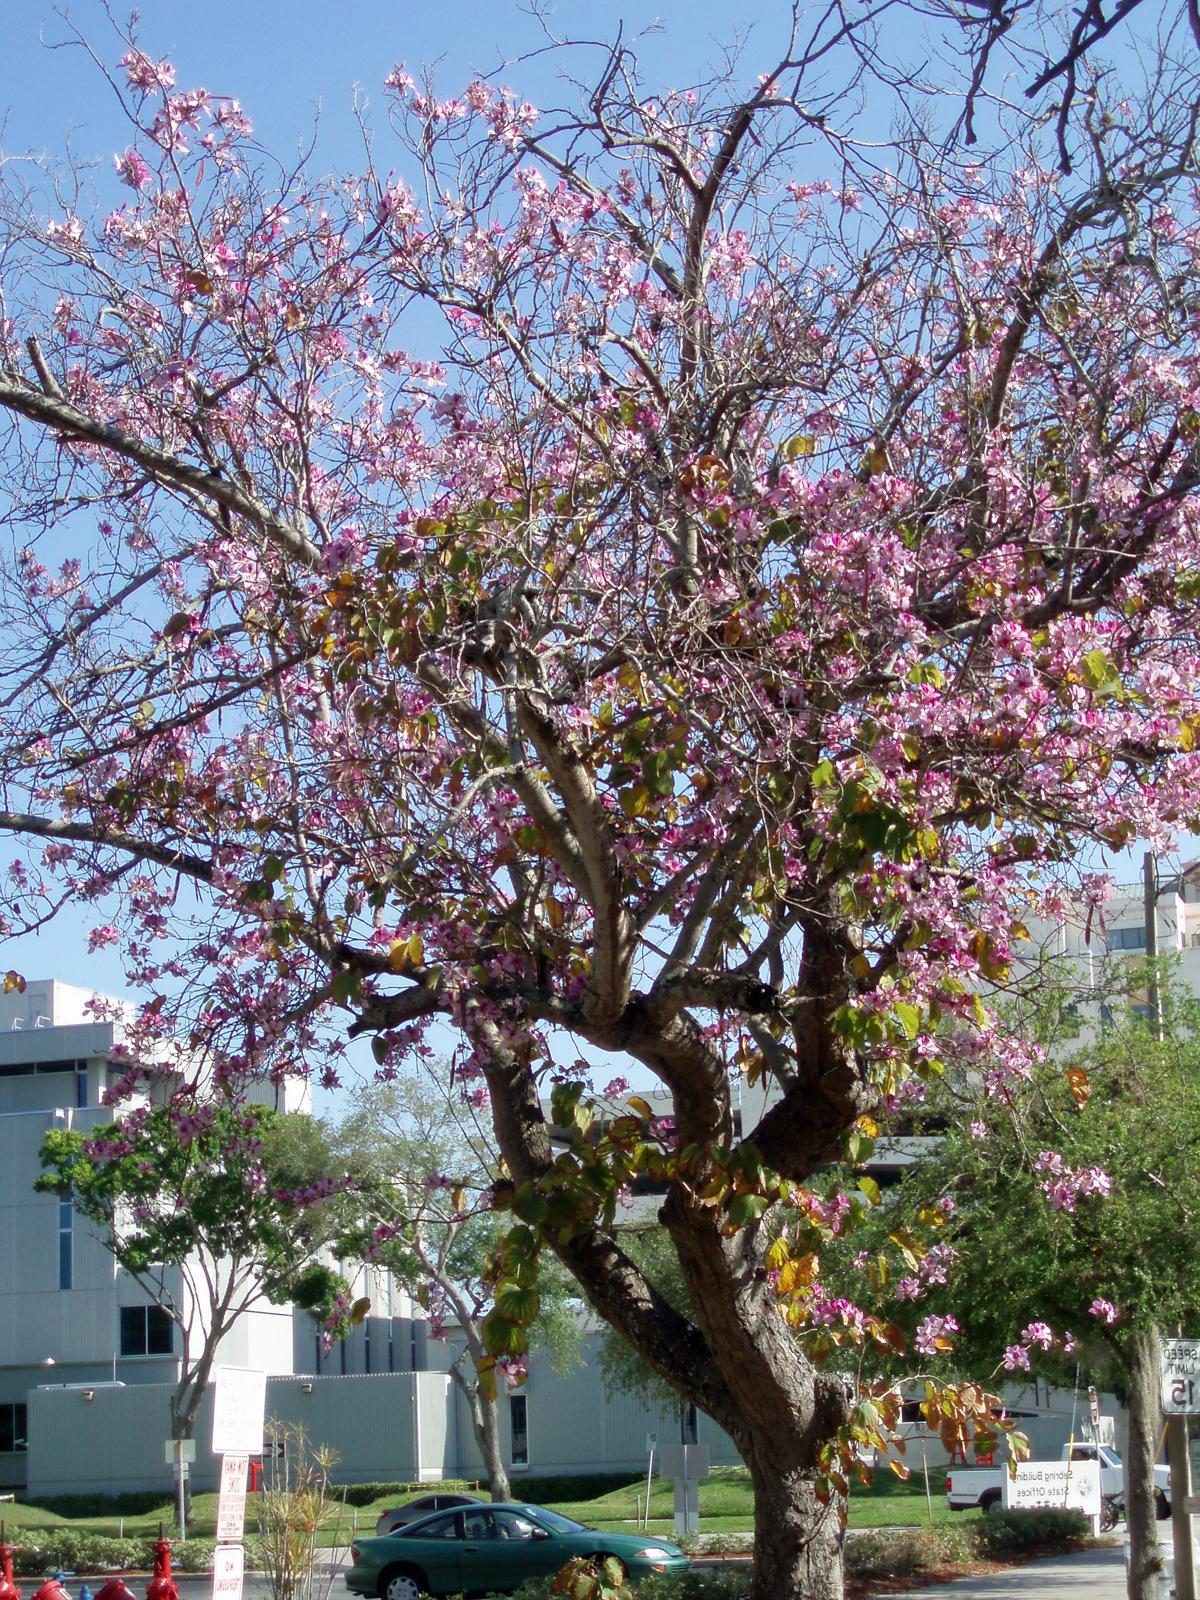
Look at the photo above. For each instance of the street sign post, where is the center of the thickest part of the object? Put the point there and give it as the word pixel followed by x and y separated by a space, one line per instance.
pixel 239 1410
pixel 1181 1399
pixel 231 1506
pixel 229 1564
pixel 1181 1377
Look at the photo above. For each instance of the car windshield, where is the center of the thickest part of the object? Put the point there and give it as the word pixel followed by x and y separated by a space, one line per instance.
pixel 553 1521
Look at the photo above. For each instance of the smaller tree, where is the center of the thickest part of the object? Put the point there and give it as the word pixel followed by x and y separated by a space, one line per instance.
pixel 1066 1212
pixel 421 1207
pixel 187 1198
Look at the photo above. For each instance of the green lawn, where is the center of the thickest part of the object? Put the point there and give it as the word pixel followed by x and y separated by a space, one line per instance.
pixel 726 1506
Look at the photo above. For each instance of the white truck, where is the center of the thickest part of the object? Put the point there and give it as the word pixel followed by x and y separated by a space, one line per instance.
pixel 982 1487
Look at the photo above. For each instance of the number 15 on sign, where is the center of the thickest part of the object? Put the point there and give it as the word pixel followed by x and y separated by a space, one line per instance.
pixel 1181 1396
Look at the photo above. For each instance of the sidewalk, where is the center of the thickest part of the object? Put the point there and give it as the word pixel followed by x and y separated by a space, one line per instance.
pixel 1099 1574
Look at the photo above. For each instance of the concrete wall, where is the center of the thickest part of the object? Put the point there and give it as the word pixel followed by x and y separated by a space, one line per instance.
pixel 115 1441
pixel 575 1425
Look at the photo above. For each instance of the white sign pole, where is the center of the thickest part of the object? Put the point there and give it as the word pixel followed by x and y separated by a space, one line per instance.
pixel 229 1566
pixel 239 1415
pixel 231 1506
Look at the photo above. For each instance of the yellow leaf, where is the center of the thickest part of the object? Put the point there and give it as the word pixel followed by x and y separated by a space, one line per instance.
pixel 797 1274
pixel 406 952
pixel 642 1107
pixel 1079 1084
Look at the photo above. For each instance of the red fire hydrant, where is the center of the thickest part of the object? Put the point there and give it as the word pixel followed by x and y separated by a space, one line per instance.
pixel 161 1585
pixel 8 1589
pixel 52 1589
pixel 114 1589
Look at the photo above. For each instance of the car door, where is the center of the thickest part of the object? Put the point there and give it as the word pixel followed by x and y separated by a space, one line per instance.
pixel 502 1548
pixel 436 1546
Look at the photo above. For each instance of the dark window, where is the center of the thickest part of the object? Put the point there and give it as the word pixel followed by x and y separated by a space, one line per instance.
pixel 689 1425
pixel 1127 938
pixel 66 1244
pixel 13 1426
pixel 81 1089
pixel 146 1331
pixel 440 1528
pixel 519 1421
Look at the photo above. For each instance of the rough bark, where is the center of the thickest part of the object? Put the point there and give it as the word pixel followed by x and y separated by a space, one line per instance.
pixel 1145 1420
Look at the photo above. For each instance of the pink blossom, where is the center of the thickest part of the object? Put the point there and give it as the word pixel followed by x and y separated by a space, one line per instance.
pixel 1016 1358
pixel 1103 1311
pixel 933 1334
pixel 132 169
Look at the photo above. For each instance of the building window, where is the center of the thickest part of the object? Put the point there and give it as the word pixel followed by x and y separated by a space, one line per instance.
pixel 13 1426
pixel 1127 938
pixel 81 1089
pixel 689 1425
pixel 518 1419
pixel 146 1331
pixel 66 1244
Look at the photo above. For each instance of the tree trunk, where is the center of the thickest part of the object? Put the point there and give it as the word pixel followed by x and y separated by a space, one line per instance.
pixel 783 1411
pixel 485 1425
pixel 1142 1363
pixel 797 1541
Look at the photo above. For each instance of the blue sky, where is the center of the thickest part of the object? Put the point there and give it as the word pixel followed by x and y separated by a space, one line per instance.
pixel 285 59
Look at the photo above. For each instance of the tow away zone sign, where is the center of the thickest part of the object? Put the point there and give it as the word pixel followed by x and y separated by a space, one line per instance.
pixel 228 1568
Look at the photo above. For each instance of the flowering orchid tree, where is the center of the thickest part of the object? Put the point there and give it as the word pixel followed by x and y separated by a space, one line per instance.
pixel 659 578
pixel 185 1198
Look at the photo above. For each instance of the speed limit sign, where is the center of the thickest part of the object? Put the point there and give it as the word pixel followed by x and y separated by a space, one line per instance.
pixel 1181 1377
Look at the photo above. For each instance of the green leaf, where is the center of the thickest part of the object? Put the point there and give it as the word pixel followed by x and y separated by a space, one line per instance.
pixel 518 1305
pixel 909 1018
pixel 747 1208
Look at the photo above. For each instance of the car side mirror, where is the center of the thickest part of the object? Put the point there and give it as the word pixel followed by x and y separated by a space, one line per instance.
pixel 540 1533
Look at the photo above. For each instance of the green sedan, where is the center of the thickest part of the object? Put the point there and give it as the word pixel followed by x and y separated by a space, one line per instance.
pixel 481 1549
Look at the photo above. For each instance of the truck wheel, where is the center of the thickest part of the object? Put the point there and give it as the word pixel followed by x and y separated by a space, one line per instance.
pixel 991 1503
pixel 1109 1515
pixel 1162 1506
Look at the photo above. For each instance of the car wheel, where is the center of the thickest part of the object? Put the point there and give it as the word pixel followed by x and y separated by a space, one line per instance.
pixel 1162 1506
pixel 992 1503
pixel 401 1583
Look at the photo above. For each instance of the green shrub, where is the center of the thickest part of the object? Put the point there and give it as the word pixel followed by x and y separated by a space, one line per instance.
pixel 69 1550
pixel 193 1555
pixel 700 1583
pixel 583 1486
pixel 135 1503
pixel 888 1554
pixel 365 1494
pixel 1007 1533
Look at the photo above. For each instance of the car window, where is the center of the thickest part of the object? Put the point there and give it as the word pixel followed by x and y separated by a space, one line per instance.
pixel 555 1522
pixel 446 1527
pixel 511 1525
pixel 476 1525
